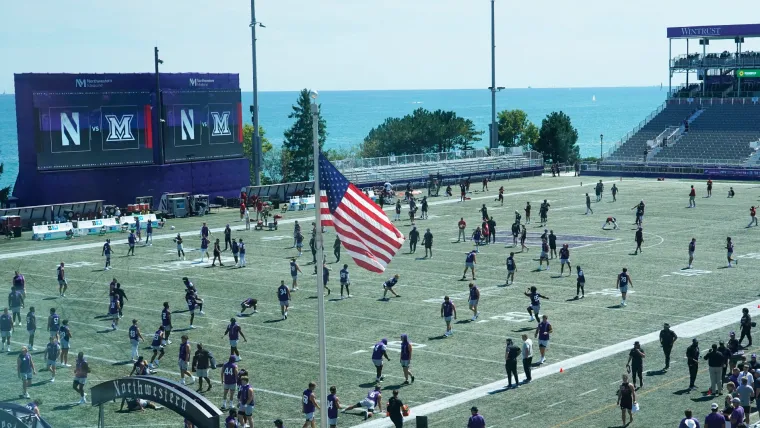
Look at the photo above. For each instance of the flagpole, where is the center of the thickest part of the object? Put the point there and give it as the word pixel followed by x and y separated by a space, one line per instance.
pixel 320 257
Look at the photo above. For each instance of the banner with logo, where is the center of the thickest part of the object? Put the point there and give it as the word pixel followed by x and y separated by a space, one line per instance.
pixel 92 130
pixel 202 125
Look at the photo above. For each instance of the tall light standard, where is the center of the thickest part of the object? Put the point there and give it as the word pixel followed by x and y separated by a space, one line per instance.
pixel 159 104
pixel 601 147
pixel 256 156
pixel 320 257
pixel 494 142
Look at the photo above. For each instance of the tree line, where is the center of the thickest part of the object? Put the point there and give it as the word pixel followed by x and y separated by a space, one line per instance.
pixel 422 131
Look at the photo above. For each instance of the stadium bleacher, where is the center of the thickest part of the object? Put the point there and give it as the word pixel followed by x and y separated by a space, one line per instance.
pixel 722 131
pixel 450 167
pixel 633 148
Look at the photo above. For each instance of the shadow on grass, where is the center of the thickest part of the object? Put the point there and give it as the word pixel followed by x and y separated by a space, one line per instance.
pixel 122 363
pixel 524 329
pixel 682 391
pixel 65 407
pixel 499 391
pixel 656 372
pixel 437 337
pixel 275 320
pixel 614 307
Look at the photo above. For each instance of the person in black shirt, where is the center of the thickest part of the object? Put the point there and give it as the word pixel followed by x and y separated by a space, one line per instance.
pixel 746 327
pixel 736 352
pixel 515 233
pixel 726 355
pixel 313 247
pixel 692 359
pixel 667 338
pixel 552 244
pixel 122 296
pixel 716 363
pixel 394 409
pixel 227 237
pixel 753 363
pixel 336 248
pixel 427 241
pixel 639 240
pixel 203 361
pixel 414 236
pixel 217 253
pixel 511 355
pixel 636 363
pixel 492 229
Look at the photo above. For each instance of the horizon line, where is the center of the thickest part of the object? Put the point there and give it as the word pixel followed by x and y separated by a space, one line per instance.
pixel 441 89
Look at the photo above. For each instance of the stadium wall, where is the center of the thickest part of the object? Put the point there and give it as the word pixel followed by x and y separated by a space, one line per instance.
pixel 716 173
pixel 121 184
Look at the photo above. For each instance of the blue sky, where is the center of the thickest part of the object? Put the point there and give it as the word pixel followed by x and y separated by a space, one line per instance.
pixel 362 44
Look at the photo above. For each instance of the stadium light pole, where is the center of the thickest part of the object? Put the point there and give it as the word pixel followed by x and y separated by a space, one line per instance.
pixel 256 155
pixel 156 62
pixel 493 136
pixel 601 147
pixel 320 261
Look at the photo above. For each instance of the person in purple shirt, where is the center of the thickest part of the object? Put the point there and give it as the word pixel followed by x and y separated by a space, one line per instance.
pixel 234 330
pixel 543 331
pixel 374 400
pixel 231 421
pixel 138 228
pixel 6 329
pixel 469 263
pixel 229 375
pixel 378 353
pixel 689 421
pixel 715 419
pixel 333 404
pixel 149 234
pixel 131 241
pixel 309 401
pixel 204 248
pixel 204 231
pixel 19 283
pixel 406 358
pixel 245 403
pixel 476 421
pixel 737 416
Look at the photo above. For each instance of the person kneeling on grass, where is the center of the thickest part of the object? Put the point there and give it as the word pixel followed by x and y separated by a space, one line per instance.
pixel 373 401
pixel 612 221
pixel 388 286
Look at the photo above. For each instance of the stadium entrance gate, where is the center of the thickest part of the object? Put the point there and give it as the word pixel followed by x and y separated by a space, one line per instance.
pixel 172 395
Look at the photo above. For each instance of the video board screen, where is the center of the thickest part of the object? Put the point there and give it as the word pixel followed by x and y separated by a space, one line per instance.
pixel 93 130
pixel 202 125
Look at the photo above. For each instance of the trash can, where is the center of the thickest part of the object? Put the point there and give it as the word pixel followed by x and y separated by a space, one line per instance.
pixel 422 422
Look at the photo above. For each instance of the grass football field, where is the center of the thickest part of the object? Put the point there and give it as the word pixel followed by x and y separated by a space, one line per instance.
pixel 591 336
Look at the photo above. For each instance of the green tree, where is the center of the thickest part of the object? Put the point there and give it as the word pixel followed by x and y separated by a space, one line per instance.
pixel 298 148
pixel 516 130
pixel 557 139
pixel 266 146
pixel 5 192
pixel 422 131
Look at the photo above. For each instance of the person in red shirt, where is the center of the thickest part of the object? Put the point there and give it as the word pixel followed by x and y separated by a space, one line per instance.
pixel 752 218
pixel 242 210
pixel 462 226
pixel 709 187
pixel 692 195
pixel 259 208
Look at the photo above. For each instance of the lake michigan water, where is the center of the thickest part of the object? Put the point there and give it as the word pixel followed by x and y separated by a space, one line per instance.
pixel 351 114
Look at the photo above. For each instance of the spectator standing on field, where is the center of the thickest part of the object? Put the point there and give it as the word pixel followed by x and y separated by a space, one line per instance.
pixel 394 409
pixel 462 225
pixel 692 195
pixel 527 356
pixel 716 362
pixel 427 241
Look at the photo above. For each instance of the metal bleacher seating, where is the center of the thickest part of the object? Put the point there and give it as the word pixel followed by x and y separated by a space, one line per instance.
pixel 400 171
pixel 633 148
pixel 722 132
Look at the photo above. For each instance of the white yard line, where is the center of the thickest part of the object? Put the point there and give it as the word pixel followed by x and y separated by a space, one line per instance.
pixel 587 392
pixel 687 329
pixel 520 416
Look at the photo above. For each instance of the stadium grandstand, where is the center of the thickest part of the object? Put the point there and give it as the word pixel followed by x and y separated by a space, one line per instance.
pixel 450 166
pixel 714 121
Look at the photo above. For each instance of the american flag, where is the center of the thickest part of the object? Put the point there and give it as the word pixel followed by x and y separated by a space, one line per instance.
pixel 363 228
